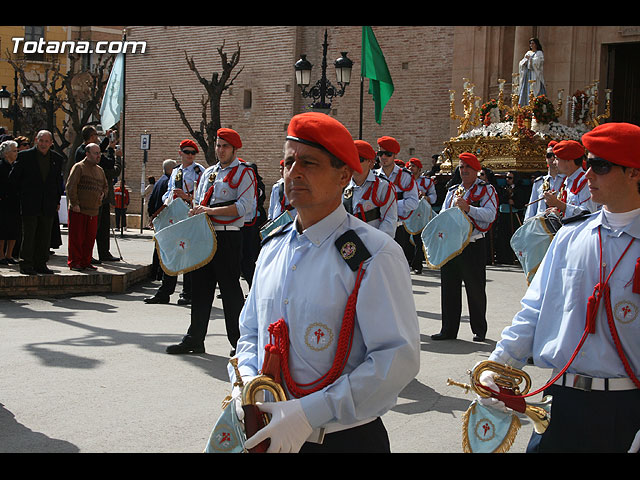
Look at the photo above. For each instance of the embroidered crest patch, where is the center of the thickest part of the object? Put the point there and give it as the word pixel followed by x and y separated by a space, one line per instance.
pixel 351 249
pixel 625 311
pixel 318 336
pixel 348 250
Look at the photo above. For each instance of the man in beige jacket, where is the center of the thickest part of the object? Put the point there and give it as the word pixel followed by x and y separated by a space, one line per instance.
pixel 86 188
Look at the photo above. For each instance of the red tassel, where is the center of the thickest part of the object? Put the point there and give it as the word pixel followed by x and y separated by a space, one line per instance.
pixel 592 309
pixel 636 278
pixel 271 363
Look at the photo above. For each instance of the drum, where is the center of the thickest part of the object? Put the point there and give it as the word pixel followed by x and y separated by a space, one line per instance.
pixel 419 217
pixel 445 236
pixel 531 241
pixel 172 213
pixel 186 245
pixel 283 219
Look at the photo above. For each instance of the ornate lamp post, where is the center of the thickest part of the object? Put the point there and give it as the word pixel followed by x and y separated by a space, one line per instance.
pixel 323 91
pixel 11 109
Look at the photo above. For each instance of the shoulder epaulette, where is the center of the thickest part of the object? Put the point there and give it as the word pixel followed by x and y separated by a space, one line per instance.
pixel 541 177
pixel 351 249
pixel 578 217
pixel 276 232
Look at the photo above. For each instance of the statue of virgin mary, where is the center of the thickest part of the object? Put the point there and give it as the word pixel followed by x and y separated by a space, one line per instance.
pixel 531 68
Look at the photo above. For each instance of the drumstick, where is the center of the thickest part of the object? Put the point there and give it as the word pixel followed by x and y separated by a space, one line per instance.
pixel 535 201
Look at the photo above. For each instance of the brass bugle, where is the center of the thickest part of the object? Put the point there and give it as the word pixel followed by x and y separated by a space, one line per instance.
pixel 510 378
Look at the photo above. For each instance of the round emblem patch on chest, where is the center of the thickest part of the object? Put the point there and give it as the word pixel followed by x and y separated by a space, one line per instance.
pixel 625 311
pixel 318 336
pixel 348 250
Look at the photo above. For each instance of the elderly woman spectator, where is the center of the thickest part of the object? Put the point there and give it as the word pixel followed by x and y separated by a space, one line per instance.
pixel 9 204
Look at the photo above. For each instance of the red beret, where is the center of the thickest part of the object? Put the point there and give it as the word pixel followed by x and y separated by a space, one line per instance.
pixel 416 162
pixel 189 143
pixel 390 144
pixel 399 162
pixel 365 150
pixel 552 144
pixel 618 143
pixel 282 162
pixel 322 131
pixel 231 136
pixel 568 150
pixel 471 160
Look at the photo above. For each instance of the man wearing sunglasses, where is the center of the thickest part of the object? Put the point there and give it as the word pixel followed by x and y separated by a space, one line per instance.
pixel 552 181
pixel 574 196
pixel 580 316
pixel 371 197
pixel 406 189
pixel 184 179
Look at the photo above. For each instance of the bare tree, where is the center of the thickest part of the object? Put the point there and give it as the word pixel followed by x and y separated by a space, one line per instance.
pixel 210 101
pixel 77 92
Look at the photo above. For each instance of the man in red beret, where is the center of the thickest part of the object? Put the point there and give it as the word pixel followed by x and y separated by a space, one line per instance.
pixel 371 197
pixel 406 189
pixel 552 181
pixel 318 305
pixel 574 195
pixel 580 316
pixel 182 184
pixel 278 201
pixel 227 193
pixel 426 189
pixel 479 200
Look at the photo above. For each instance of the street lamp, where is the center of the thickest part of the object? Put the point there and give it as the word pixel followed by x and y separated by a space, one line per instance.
pixel 323 91
pixel 12 110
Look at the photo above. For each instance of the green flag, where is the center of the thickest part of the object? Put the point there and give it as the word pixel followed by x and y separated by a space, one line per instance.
pixel 374 67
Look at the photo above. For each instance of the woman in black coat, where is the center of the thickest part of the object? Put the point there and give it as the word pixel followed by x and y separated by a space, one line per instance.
pixel 9 204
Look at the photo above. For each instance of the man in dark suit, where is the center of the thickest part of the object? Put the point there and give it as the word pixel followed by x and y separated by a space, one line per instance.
pixel 37 176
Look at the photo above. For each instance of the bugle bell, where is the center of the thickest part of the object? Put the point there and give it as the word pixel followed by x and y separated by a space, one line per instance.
pixel 517 382
pixel 254 419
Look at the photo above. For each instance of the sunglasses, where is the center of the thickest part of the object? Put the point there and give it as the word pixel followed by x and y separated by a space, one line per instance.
pixel 598 165
pixel 189 152
pixel 385 153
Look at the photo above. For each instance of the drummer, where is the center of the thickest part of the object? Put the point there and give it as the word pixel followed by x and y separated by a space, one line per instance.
pixel 595 403
pixel 371 197
pixel 552 181
pixel 479 200
pixel 304 276
pixel 427 190
pixel 574 196
pixel 406 189
pixel 185 177
pixel 227 194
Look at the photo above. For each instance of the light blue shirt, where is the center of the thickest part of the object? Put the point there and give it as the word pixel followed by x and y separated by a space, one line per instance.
pixel 388 220
pixel 536 192
pixel 552 320
pixel 275 207
pixel 409 201
pixel 580 200
pixel 243 195
pixel 484 213
pixel 190 177
pixel 427 188
pixel 302 278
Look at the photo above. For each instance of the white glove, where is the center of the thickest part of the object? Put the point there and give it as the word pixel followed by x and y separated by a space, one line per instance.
pixel 236 396
pixel 635 446
pixel 487 379
pixel 288 428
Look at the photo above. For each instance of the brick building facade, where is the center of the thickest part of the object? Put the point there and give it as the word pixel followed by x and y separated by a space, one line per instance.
pixel 424 61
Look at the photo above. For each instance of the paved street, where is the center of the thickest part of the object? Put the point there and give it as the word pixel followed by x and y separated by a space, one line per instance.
pixel 88 373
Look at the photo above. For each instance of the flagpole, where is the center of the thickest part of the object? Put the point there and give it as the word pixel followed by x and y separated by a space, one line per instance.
pixel 122 119
pixel 361 101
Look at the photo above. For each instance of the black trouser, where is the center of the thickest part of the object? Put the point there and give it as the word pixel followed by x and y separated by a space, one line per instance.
pixel 371 437
pixel 103 235
pixel 418 253
pixel 222 271
pixel 589 422
pixel 169 283
pixel 36 241
pixel 468 267
pixel 250 251
pixel 403 239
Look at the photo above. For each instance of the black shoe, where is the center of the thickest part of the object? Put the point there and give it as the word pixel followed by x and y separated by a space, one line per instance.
pixel 185 348
pixel 28 271
pixel 478 338
pixel 4 261
pixel 156 299
pixel 110 258
pixel 95 261
pixel 46 270
pixel 442 336
pixel 184 301
pixel 76 268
